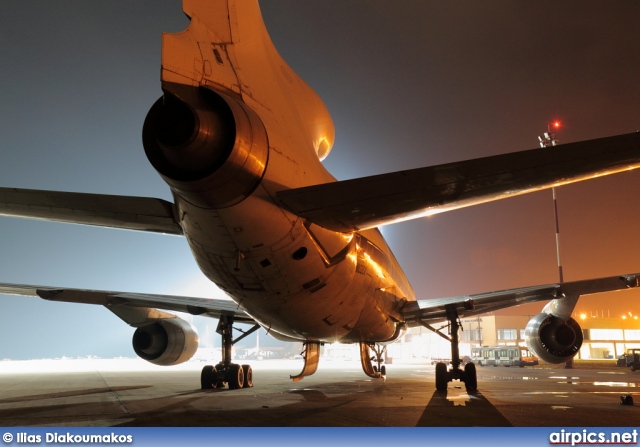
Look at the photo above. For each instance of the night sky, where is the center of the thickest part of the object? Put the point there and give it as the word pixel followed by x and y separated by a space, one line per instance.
pixel 408 84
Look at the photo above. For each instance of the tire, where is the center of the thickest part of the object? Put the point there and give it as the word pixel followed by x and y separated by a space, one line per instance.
pixel 235 376
pixel 383 370
pixel 208 378
pixel 470 377
pixel 441 377
pixel 248 376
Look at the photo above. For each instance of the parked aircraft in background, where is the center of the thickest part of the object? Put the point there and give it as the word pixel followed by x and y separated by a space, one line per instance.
pixel 239 138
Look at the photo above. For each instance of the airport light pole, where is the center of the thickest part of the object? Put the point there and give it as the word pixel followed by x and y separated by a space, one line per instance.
pixel 549 139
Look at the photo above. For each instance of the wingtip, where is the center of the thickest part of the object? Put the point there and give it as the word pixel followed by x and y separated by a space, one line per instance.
pixel 631 281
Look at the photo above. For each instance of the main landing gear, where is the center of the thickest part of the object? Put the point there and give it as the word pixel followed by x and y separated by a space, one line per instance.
pixel 227 373
pixel 443 376
pixel 377 370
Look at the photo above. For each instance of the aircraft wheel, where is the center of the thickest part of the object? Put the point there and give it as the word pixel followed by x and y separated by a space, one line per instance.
pixel 441 377
pixel 235 376
pixel 383 370
pixel 208 378
pixel 248 376
pixel 633 368
pixel 470 377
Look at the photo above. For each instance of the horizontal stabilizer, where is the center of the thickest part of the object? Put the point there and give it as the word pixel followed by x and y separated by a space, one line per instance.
pixel 131 213
pixel 368 202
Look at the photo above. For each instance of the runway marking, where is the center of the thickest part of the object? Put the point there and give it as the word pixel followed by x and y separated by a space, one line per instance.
pixel 507 378
pixel 630 385
pixel 565 393
pixel 564 377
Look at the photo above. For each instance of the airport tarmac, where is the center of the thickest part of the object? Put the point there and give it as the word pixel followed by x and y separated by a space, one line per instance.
pixel 123 392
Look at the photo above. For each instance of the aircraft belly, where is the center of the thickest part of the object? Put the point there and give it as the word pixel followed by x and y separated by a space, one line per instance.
pixel 273 269
pixel 332 313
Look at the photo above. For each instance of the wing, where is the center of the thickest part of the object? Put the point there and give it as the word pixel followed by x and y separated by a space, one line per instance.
pixel 132 213
pixel 382 199
pixel 136 309
pixel 429 311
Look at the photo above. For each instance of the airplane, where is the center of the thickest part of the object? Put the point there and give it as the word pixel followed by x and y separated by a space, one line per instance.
pixel 240 138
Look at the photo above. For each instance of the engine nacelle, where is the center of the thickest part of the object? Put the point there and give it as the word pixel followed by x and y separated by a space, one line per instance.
pixel 209 146
pixel 553 339
pixel 166 342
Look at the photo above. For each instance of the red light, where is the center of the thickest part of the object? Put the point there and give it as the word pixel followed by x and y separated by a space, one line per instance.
pixel 556 124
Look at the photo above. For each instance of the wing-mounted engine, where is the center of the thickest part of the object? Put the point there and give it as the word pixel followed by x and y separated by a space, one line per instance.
pixel 552 338
pixel 553 335
pixel 208 145
pixel 166 342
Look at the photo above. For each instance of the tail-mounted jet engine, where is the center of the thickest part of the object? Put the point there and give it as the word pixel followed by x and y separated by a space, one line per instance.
pixel 166 342
pixel 209 146
pixel 553 339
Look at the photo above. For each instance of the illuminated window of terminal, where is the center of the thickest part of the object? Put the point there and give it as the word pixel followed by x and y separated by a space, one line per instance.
pixel 632 334
pixel 472 335
pixel 507 334
pixel 606 334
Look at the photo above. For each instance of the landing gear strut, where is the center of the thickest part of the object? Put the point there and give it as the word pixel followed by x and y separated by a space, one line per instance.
pixel 367 360
pixel 227 373
pixel 443 376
